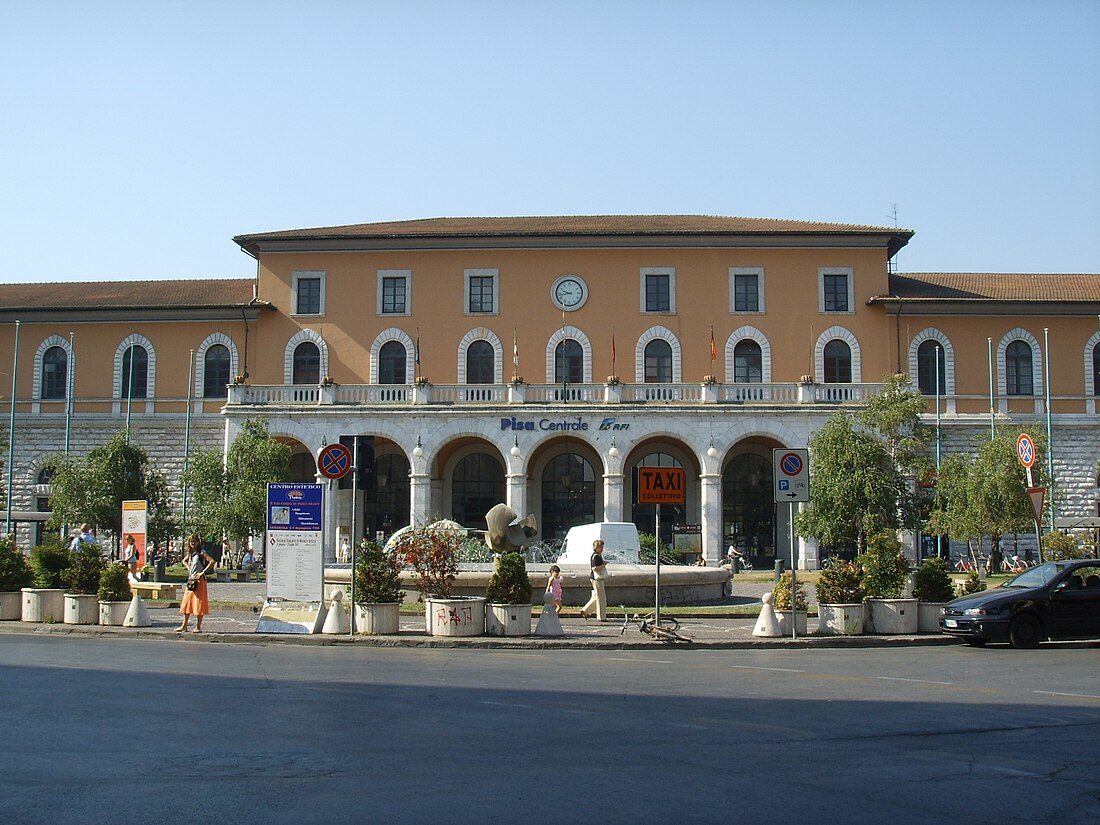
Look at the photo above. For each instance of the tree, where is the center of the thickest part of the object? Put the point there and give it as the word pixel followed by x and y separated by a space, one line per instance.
pixel 230 499
pixel 862 469
pixel 985 493
pixel 92 490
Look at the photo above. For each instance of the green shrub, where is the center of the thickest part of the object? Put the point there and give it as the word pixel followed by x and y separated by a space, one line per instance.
pixel 509 583
pixel 839 583
pixel 377 575
pixel 15 573
pixel 884 569
pixel 114 584
pixel 647 551
pixel 932 582
pixel 781 594
pixel 971 584
pixel 1062 547
pixel 85 567
pixel 49 561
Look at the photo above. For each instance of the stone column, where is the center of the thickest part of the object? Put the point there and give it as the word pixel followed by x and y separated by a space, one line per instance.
pixel 613 497
pixel 711 516
pixel 516 488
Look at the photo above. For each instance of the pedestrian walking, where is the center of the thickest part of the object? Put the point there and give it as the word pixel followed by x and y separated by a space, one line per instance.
pixel 553 587
pixel 598 574
pixel 195 601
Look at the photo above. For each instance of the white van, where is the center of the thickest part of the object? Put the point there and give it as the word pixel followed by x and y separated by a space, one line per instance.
pixel 620 543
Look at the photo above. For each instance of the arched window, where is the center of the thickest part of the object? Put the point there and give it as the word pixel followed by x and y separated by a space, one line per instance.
pixel 391 363
pixel 1096 370
pixel 476 486
pixel 658 362
pixel 215 371
pixel 135 372
pixel 568 495
pixel 307 364
pixel 837 362
pixel 928 353
pixel 748 509
pixel 1018 374
pixel 748 362
pixel 480 363
pixel 55 374
pixel 568 362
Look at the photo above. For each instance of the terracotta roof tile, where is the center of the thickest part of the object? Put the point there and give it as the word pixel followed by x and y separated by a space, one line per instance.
pixel 991 286
pixel 570 225
pixel 93 295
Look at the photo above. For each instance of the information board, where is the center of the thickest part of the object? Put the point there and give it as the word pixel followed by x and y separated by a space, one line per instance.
pixel 295 562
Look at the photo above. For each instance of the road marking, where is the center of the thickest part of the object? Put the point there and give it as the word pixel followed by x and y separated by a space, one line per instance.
pixel 1071 695
pixel 634 659
pixel 915 681
pixel 776 669
pixel 506 704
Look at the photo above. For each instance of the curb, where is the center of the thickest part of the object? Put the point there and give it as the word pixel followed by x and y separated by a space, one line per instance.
pixel 412 640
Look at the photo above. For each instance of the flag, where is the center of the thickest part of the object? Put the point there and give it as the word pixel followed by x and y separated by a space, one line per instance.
pixel 416 358
pixel 612 349
pixel 515 349
pixel 713 349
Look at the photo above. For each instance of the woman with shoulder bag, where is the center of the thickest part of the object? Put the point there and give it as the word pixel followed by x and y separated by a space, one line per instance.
pixel 598 599
pixel 195 601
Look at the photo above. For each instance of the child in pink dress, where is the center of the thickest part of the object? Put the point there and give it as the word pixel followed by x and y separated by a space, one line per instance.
pixel 554 586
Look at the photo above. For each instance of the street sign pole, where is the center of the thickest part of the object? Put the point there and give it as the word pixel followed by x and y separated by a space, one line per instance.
pixel 657 579
pixel 794 590
pixel 791 470
pixel 354 499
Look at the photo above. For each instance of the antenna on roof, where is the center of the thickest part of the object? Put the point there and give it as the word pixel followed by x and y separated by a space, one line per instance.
pixel 892 264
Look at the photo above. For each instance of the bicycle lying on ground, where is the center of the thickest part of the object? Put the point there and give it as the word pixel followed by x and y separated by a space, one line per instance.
pixel 666 630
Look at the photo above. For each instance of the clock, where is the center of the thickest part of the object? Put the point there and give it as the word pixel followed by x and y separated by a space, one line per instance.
pixel 569 292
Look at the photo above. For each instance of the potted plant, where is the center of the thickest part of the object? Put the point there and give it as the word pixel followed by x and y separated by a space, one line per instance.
pixel 509 595
pixel 884 575
pixel 971 584
pixel 15 574
pixel 433 553
pixel 932 588
pixel 790 610
pixel 81 580
pixel 115 594
pixel 378 593
pixel 840 599
pixel 44 600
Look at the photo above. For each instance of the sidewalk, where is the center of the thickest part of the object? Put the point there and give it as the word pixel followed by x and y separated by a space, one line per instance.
pixel 235 609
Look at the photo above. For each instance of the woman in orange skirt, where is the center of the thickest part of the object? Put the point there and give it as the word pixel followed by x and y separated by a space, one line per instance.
pixel 195 601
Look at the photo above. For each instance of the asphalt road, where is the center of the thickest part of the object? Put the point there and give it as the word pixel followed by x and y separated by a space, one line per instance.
pixel 120 731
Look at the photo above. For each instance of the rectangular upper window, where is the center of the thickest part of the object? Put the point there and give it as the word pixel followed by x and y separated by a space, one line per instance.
pixel 835 292
pixel 746 289
pixel 658 289
pixel 309 293
pixel 481 291
pixel 394 292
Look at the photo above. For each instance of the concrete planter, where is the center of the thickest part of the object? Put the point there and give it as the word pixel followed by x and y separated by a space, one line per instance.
pixel 800 619
pixel 43 605
pixel 508 619
pixel 81 608
pixel 840 619
pixel 378 618
pixel 928 616
pixel 11 606
pixel 113 613
pixel 456 616
pixel 891 617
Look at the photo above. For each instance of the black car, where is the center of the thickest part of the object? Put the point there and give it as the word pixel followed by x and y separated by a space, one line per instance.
pixel 1056 600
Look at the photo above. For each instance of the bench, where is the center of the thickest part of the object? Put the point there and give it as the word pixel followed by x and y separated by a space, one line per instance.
pixel 234 575
pixel 166 591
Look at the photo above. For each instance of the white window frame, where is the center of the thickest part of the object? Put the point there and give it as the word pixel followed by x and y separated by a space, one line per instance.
pixel 299 337
pixel 480 273
pixel 670 271
pixel 836 270
pixel 749 333
pixel 847 337
pixel 758 271
pixel 307 275
pixel 383 274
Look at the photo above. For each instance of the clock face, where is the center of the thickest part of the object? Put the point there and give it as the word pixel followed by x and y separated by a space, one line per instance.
pixel 569 292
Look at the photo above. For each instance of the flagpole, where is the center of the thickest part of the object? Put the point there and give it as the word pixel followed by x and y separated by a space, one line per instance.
pixel 992 432
pixel 129 390
pixel 69 408
pixel 1050 434
pixel 187 428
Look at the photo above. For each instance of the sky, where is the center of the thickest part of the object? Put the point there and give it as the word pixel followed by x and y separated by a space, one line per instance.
pixel 138 137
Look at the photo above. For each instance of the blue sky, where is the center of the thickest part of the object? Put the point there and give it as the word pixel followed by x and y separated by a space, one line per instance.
pixel 137 138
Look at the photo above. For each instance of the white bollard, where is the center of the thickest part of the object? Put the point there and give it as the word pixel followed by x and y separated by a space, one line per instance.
pixel 767 624
pixel 336 622
pixel 549 623
pixel 138 614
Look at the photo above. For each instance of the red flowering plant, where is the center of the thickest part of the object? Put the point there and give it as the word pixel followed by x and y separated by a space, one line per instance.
pixel 433 554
